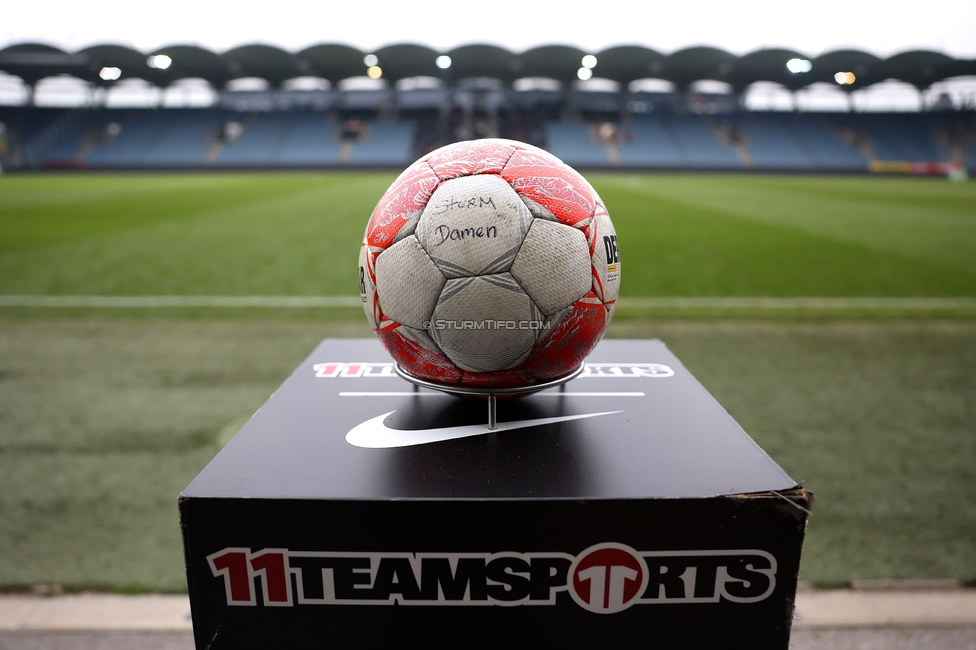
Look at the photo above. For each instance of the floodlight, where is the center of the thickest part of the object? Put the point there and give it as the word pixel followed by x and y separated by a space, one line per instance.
pixel 584 73
pixel 443 62
pixel 370 60
pixel 159 61
pixel 374 71
pixel 845 78
pixel 110 74
pixel 798 65
pixel 589 61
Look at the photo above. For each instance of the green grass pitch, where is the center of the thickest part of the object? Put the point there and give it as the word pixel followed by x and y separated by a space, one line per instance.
pixel 104 419
pixel 298 234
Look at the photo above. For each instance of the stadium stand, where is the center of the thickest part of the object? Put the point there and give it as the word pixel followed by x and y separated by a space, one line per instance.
pixel 384 143
pixel 183 139
pixel 892 137
pixel 139 138
pixel 136 133
pixel 25 124
pixel 484 91
pixel 827 151
pixel 955 135
pixel 259 142
pixel 770 141
pixel 702 146
pixel 309 141
pixel 575 144
pixel 68 136
pixel 649 142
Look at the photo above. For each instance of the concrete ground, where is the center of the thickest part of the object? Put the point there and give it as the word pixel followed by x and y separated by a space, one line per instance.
pixel 893 638
pixel 841 619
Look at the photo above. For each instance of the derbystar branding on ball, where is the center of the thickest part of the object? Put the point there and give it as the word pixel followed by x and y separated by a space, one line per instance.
pixel 491 264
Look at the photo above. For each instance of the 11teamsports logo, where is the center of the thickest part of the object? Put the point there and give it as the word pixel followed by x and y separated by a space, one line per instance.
pixel 356 369
pixel 605 578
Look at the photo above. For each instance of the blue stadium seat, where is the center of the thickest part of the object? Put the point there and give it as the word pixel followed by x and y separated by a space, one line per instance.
pixel 908 134
pixel 386 143
pixel 876 128
pixel 260 143
pixel 574 146
pixel 772 144
pixel 140 130
pixel 699 145
pixel 969 159
pixel 664 139
pixel 185 139
pixel 310 140
pixel 65 150
pixel 74 127
pixel 24 123
pixel 827 152
pixel 646 141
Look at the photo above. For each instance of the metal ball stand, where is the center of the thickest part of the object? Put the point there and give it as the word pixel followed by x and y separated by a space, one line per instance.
pixel 491 394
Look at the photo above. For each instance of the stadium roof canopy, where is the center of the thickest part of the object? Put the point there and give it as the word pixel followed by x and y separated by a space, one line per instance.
pixel 959 68
pixel 560 62
pixel 262 61
pixel 35 61
pixel 333 62
pixel 623 64
pixel 121 57
pixel 406 60
pixel 856 62
pixel 766 65
pixel 483 61
pixel 692 64
pixel 920 68
pixel 190 61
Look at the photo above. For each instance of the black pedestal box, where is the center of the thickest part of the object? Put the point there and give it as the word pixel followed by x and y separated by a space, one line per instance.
pixel 625 509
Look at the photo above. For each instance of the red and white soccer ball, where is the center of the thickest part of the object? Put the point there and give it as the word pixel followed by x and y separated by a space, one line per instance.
pixel 489 264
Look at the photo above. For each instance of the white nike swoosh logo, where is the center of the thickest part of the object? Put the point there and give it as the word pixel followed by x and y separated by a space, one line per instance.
pixel 374 434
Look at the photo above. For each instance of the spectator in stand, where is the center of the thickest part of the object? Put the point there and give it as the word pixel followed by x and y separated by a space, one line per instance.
pixel 352 129
pixel 607 133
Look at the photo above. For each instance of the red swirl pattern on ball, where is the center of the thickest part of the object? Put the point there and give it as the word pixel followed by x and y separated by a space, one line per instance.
pixel 374 305
pixel 470 158
pixel 557 187
pixel 574 337
pixel 415 358
pixel 407 196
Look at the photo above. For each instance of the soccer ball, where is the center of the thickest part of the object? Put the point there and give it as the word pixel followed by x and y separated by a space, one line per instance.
pixel 489 264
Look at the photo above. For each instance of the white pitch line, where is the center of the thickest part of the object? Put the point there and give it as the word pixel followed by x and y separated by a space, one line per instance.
pixel 130 302
pixel 304 302
pixel 390 394
pixel 797 303
pixel 412 394
pixel 568 394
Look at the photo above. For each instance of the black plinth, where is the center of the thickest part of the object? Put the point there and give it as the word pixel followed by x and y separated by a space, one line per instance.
pixel 626 508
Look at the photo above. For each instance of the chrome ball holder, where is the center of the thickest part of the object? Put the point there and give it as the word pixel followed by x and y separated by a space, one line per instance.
pixel 492 393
